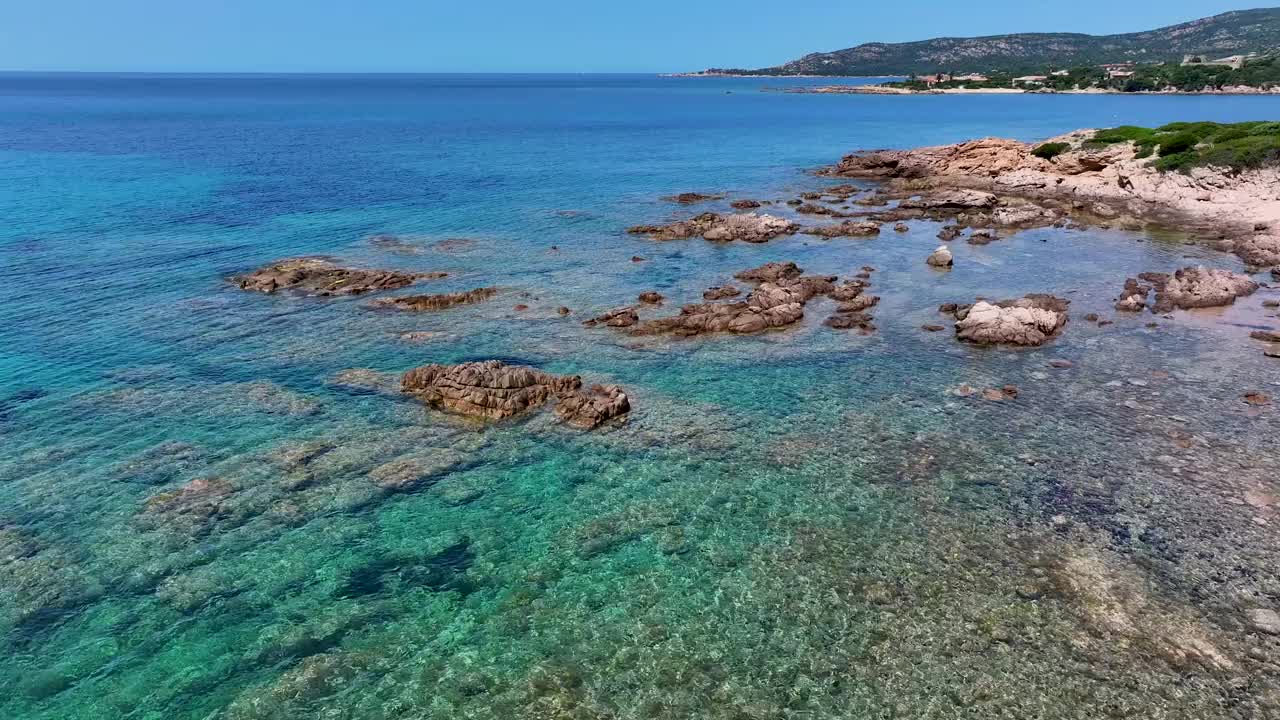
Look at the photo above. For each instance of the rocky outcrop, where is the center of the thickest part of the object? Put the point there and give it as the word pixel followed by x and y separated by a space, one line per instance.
pixel 1198 287
pixel 993 180
pixel 744 227
pixel 494 390
pixel 744 204
pixel 1029 321
pixel 691 198
pixel 1185 289
pixel 1134 296
pixel 771 272
pixel 319 276
pixel 426 303
pixel 617 318
pixel 848 228
pixel 650 297
pixel 941 258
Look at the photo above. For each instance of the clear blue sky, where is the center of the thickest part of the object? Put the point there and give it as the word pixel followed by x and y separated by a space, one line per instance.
pixel 514 35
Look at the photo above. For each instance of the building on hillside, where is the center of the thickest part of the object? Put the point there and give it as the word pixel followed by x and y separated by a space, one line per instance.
pixel 1060 73
pixel 1235 62
pixel 1030 80
pixel 1113 74
pixel 971 77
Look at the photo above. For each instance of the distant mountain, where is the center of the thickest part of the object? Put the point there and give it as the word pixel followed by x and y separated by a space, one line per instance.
pixel 1233 33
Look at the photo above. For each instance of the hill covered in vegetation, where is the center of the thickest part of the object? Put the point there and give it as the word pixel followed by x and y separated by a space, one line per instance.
pixel 1232 33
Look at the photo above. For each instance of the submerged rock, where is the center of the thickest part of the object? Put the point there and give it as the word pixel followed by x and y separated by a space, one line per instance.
pixel 690 198
pixel 744 204
pixel 1028 321
pixel 319 276
pixel 721 292
pixel 591 408
pixel 617 317
pixel 1134 296
pixel 425 303
pixel 650 298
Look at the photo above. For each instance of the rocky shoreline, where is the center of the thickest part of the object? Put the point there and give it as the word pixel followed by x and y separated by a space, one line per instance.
pixel 1240 210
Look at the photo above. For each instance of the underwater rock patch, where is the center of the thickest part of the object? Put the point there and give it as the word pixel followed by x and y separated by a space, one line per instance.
pixel 320 276
pixel 442 301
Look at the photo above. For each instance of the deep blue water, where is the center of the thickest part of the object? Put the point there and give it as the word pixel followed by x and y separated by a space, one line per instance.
pixel 802 525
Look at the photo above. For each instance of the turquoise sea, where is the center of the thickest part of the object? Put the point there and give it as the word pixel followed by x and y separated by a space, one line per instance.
pixel 801 525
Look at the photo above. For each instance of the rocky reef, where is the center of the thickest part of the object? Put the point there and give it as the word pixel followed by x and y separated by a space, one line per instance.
pixel 743 227
pixel 426 303
pixel 494 390
pixel 321 277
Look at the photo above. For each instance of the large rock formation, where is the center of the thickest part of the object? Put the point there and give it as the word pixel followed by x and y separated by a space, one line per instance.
pixel 424 303
pixel 745 227
pixel 1197 287
pixel 1027 321
pixel 494 390
pixel 1087 181
pixel 319 276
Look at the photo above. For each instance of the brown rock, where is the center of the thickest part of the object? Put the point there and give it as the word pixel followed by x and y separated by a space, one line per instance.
pixel 850 321
pixel 771 272
pixel 690 198
pixel 618 318
pixel 650 298
pixel 590 408
pixel 1257 398
pixel 318 276
pixel 489 389
pixel 747 227
pixel 721 292
pixel 1266 335
pixel 425 303
pixel 933 328
pixel 848 228
pixel 744 204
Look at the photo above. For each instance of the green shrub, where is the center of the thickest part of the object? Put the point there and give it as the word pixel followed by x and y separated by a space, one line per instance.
pixel 1178 143
pixel 1049 151
pixel 1185 145
pixel 1124 133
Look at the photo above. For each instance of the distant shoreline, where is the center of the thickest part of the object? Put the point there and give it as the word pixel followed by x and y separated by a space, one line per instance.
pixel 881 90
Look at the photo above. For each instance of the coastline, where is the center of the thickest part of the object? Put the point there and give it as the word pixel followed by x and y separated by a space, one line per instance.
pixel 881 90
pixel 1238 210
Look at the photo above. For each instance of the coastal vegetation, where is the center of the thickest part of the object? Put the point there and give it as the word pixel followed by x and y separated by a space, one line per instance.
pixel 1262 73
pixel 1185 145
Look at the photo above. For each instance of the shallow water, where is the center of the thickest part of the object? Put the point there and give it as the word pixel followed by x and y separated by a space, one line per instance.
pixel 803 524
